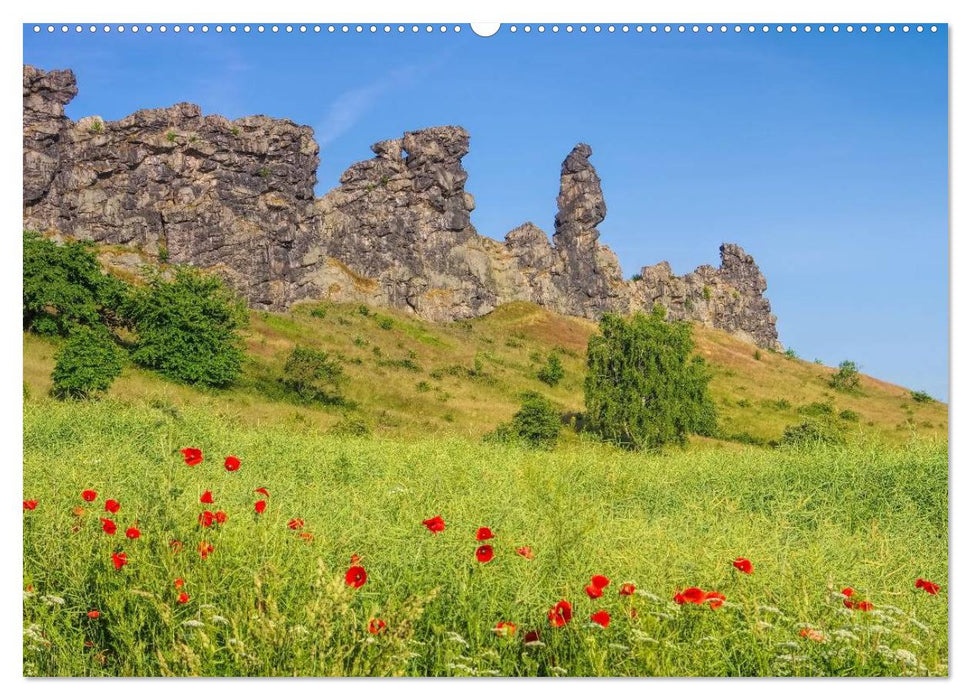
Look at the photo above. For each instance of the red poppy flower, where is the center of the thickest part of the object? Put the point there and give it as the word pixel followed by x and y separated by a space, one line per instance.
pixel 928 586
pixel 848 592
pixel 505 629
pixel 812 634
pixel 600 581
pixel 356 576
pixel 206 497
pixel 119 559
pixel 175 546
pixel 261 490
pixel 689 595
pixel 531 636
pixel 743 565
pixel 108 526
pixel 525 552
pixel 30 505
pixel 355 559
pixel 231 463
pixel 435 524
pixel 306 536
pixel 376 626
pixel 633 613
pixel 183 598
pixel 864 605
pixel 593 591
pixel 89 495
pixel 560 614
pixel 626 589
pixel 220 517
pixel 483 533
pixel 601 617
pixel 133 533
pixel 192 455
pixel 484 553
pixel 259 506
pixel 112 506
pixel 296 524
pixel 178 583
pixel 714 599
pixel 205 549
pixel 206 518
pixel 94 614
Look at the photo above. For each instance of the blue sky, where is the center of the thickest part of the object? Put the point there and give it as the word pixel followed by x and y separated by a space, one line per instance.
pixel 823 155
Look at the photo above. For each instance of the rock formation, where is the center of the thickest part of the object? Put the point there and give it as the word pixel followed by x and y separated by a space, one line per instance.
pixel 237 197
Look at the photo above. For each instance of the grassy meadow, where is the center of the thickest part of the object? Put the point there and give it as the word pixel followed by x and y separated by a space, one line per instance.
pixel 268 601
pixel 272 600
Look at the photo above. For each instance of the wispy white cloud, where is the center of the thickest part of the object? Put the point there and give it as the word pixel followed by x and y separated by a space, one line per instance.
pixel 349 107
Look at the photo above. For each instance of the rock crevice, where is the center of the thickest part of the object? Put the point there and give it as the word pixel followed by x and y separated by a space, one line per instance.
pixel 237 197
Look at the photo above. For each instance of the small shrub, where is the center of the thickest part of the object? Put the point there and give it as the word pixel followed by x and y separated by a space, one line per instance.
pixel 636 277
pixel 812 432
pixel 234 131
pixel 791 354
pixel 87 364
pixel 364 310
pixel 817 408
pixel 314 376
pixel 97 127
pixel 781 404
pixel 744 403
pixel 921 397
pixel 423 386
pixel 706 292
pixel 350 426
pixel 386 323
pixel 318 312
pixel 848 415
pixel 264 172
pixel 846 378
pixel 758 355
pixel 163 254
pixel 171 136
pixel 552 372
pixel 536 423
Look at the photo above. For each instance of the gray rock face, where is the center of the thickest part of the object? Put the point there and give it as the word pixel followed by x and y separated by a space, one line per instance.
pixel 237 197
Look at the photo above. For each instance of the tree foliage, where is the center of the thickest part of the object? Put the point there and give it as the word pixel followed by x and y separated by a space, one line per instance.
pixel 846 378
pixel 552 372
pixel 64 287
pixel 87 364
pixel 643 388
pixel 536 423
pixel 188 328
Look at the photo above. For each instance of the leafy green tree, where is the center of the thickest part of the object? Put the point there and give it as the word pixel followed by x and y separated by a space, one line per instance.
pixel 87 364
pixel 846 378
pixel 643 387
pixel 188 328
pixel 813 432
pixel 314 376
pixel 65 287
pixel 552 372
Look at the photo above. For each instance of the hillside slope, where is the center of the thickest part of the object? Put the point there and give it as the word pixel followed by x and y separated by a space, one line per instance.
pixel 410 378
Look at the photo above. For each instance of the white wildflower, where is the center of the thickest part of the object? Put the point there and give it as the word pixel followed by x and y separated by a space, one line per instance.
pixel 763 625
pixel 457 638
pixel 879 629
pixel 648 595
pixel 29 594
pixel 663 616
pixel 920 625
pixel 643 637
pixel 893 609
pixel 193 623
pixel 207 606
pixel 789 645
pixel 770 609
pixel 34 632
pixel 52 599
pixel 490 672
pixel 234 642
pixel 906 657
pixel 535 643
pixel 844 634
pixel 461 667
pixel 621 647
pixel 298 630
pixel 219 619
pixel 792 658
pixel 490 654
pixel 559 670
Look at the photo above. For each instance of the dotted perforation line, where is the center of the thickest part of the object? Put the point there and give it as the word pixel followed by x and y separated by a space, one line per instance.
pixel 513 28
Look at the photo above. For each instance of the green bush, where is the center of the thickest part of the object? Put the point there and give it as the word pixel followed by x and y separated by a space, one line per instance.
pixel 314 376
pixel 536 423
pixel 851 416
pixel 816 408
pixel 791 354
pixel 846 378
pixel 188 328
pixel 65 287
pixel 921 397
pixel 86 365
pixel 643 388
pixel 552 372
pixel 813 432
pixel 350 426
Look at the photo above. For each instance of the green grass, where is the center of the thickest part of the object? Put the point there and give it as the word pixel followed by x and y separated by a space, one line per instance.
pixel 871 516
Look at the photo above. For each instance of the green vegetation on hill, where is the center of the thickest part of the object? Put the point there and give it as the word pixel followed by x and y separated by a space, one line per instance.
pixel 472 374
